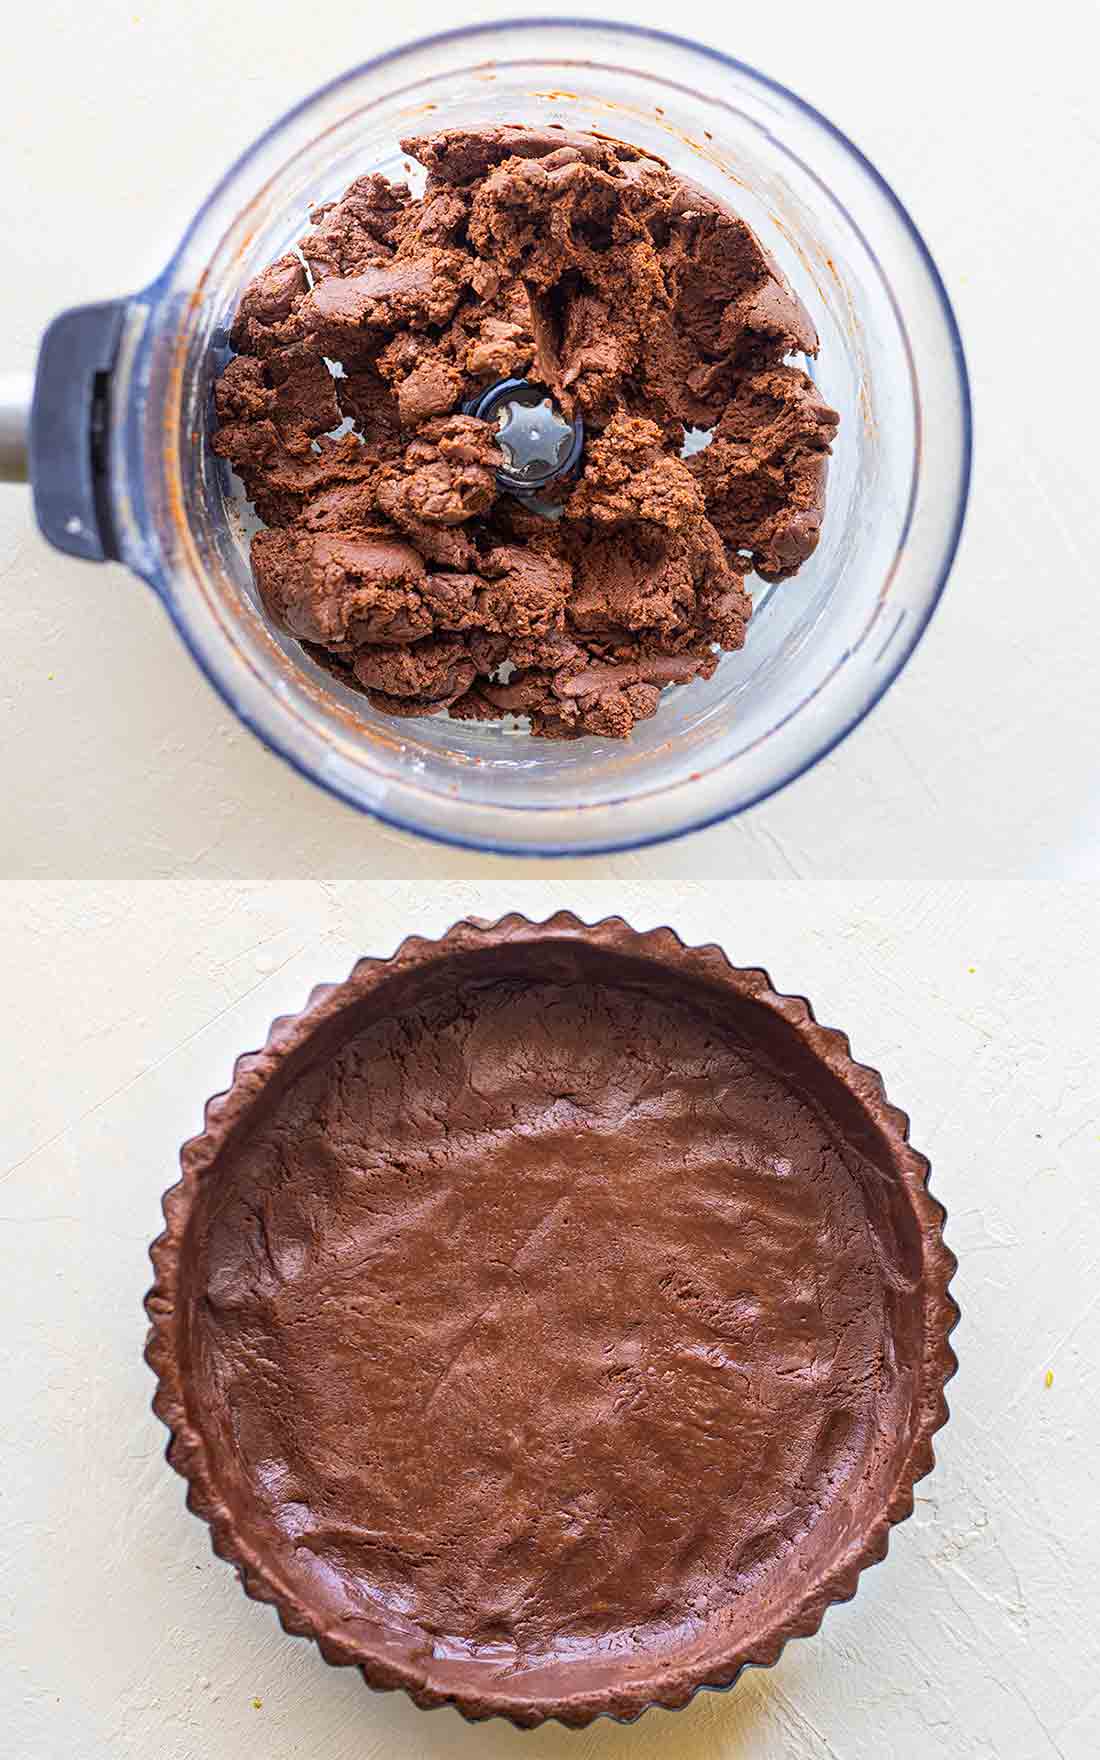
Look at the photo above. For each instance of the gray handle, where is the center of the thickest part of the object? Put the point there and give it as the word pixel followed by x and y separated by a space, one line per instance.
pixel 70 430
pixel 15 421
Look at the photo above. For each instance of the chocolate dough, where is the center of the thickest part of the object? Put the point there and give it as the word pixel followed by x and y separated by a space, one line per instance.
pixel 637 300
pixel 538 1321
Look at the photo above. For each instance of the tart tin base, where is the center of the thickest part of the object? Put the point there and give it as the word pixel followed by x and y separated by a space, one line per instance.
pixel 551 1320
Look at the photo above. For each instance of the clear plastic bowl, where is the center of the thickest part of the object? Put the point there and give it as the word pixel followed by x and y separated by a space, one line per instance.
pixel 822 647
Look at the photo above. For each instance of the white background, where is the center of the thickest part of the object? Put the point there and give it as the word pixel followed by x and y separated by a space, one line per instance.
pixel 120 117
pixel 171 887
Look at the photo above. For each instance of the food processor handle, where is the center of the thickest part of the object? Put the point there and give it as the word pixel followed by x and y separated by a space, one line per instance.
pixel 15 421
pixel 64 445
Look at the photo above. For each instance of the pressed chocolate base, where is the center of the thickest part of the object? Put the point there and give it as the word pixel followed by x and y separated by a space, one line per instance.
pixel 554 1320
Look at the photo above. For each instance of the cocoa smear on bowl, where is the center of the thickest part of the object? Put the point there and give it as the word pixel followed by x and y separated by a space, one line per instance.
pixel 551 1320
pixel 638 301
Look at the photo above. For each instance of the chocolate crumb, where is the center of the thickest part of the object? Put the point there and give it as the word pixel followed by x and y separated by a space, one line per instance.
pixel 641 304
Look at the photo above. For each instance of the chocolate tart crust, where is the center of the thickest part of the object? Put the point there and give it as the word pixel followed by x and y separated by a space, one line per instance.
pixel 706 1365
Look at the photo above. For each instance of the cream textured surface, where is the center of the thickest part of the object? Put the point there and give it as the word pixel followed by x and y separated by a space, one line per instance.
pixel 978 1638
pixel 989 135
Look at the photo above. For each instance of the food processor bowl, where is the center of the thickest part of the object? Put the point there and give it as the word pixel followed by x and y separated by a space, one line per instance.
pixel 122 464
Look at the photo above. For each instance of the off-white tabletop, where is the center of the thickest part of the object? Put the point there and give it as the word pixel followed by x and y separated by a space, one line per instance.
pixel 168 887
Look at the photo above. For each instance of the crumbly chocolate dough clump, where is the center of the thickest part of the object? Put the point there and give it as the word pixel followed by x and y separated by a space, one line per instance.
pixel 639 302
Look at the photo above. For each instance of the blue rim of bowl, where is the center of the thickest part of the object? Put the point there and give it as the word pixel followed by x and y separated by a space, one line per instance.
pixel 643 33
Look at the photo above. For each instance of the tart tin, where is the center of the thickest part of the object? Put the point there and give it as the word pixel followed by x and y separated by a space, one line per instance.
pixel 782 1033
